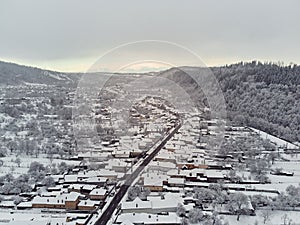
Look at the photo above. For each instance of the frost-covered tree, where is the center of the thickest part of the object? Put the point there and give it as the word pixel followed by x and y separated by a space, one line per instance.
pixel 180 211
pixel 18 161
pixel 196 216
pixel 62 167
pixel 204 195
pixel 3 152
pixel 48 182
pixel 238 202
pixel 36 171
pixel 266 214
pixel 137 191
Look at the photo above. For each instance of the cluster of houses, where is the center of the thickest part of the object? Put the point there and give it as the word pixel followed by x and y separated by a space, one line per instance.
pixel 185 162
pixel 83 191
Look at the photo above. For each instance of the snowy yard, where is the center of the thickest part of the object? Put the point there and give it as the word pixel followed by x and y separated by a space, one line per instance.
pixel 10 165
pixel 12 217
pixel 279 142
pixel 275 218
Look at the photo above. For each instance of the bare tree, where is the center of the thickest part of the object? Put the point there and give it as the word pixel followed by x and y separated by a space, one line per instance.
pixel 18 161
pixel 180 210
pixel 265 214
pixel 237 203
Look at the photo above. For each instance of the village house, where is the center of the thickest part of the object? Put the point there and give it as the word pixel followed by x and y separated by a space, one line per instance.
pixel 100 181
pixel 190 165
pixel 165 156
pixel 87 188
pixel 213 176
pixel 117 165
pixel 121 153
pixel 88 205
pixel 175 182
pixel 154 204
pixel 75 188
pixel 161 166
pixel 70 178
pixel 109 174
pixel 148 218
pixel 153 181
pixel 98 194
pixel 63 201
pixel 137 205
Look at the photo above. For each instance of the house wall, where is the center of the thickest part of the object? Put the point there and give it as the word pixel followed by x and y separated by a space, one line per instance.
pixel 155 188
pixel 87 208
pixel 135 210
pixel 51 206
pixel 97 197
pixel 71 204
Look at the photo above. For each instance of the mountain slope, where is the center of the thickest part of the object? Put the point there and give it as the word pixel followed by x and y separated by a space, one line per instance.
pixel 265 96
pixel 14 74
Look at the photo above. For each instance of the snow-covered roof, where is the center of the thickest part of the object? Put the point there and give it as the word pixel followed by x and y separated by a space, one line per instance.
pixel 108 173
pixel 76 186
pixel 98 191
pixel 214 174
pixel 88 202
pixel 25 204
pixel 58 200
pixel 7 204
pixel 146 218
pixel 162 164
pixel 137 203
pixel 170 200
pixel 57 177
pixel 95 180
pixel 71 178
pixel 165 155
pixel 176 180
pixel 154 179
pixel 89 187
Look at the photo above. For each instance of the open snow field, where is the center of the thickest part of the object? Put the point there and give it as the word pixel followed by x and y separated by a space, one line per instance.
pixel 275 218
pixel 11 166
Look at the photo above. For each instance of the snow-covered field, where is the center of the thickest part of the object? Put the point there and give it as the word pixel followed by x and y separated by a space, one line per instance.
pixel 275 218
pixel 32 217
pixel 282 182
pixel 279 142
pixel 11 166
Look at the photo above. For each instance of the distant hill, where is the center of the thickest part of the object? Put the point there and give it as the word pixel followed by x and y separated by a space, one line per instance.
pixel 14 74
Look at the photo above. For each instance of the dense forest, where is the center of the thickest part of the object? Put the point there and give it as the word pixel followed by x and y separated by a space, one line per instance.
pixel 263 95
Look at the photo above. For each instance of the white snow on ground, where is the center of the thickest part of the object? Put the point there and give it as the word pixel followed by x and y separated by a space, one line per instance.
pixel 32 217
pixel 282 182
pixel 54 76
pixel 279 142
pixel 291 157
pixel 10 166
pixel 36 84
pixel 276 218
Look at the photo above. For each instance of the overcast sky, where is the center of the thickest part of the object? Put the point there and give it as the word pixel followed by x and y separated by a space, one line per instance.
pixel 71 35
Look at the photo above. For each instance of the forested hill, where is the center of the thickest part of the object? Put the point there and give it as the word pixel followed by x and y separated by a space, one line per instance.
pixel 265 96
pixel 14 74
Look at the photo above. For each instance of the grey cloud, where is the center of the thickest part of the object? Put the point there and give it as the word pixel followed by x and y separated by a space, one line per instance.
pixel 64 30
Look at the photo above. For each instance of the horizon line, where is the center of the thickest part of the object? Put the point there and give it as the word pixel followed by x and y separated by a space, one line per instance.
pixel 280 63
